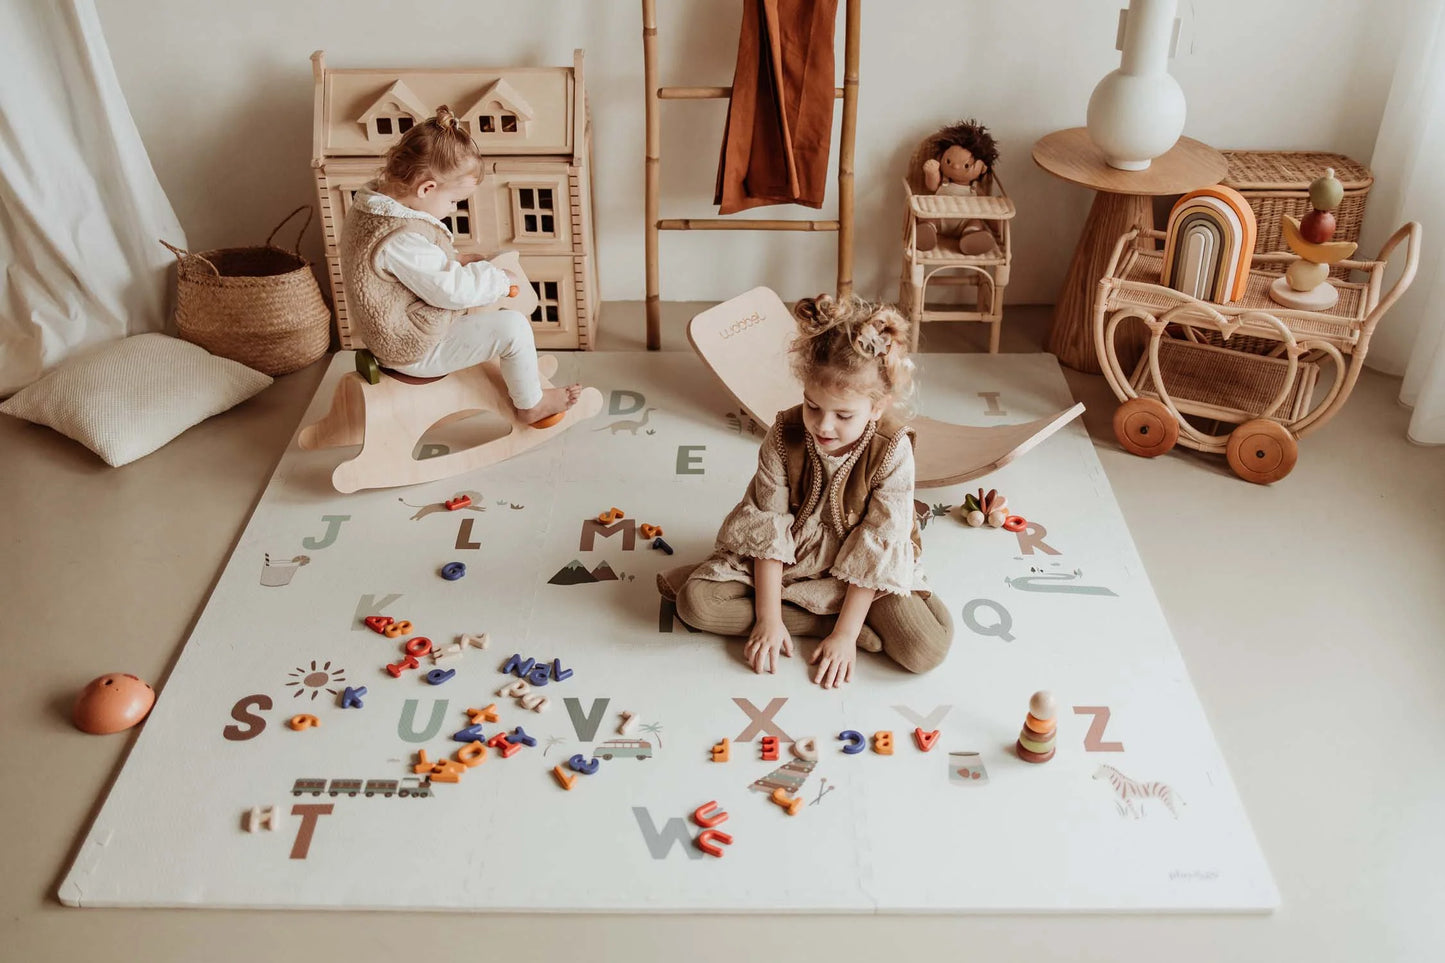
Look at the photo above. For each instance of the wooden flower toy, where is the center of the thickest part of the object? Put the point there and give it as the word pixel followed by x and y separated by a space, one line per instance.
pixel 1304 285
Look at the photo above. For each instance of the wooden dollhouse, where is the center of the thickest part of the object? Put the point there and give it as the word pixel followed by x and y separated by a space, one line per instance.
pixel 535 194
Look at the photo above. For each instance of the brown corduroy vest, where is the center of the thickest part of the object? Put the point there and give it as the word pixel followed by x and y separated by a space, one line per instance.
pixel 395 324
pixel 846 500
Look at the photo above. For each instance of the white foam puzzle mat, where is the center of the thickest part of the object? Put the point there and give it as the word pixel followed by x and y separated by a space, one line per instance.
pixel 399 788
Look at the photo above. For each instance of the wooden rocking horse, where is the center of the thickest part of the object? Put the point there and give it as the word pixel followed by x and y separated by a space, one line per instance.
pixel 735 336
pixel 388 413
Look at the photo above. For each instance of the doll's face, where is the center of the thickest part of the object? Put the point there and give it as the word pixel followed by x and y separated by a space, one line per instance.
pixel 958 166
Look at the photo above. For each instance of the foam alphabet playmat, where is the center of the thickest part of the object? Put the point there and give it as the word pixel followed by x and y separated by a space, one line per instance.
pixel 469 695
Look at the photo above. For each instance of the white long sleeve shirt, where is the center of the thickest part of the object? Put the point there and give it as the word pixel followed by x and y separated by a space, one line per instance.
pixel 425 268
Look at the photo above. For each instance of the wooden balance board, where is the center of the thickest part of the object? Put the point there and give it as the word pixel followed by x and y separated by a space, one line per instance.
pixel 744 341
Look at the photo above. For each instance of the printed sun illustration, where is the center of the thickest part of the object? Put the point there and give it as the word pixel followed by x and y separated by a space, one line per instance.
pixel 314 680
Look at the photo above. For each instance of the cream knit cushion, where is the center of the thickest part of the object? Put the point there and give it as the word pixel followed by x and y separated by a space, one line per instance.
pixel 129 398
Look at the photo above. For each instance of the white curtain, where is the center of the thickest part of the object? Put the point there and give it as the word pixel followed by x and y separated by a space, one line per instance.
pixel 1409 169
pixel 80 206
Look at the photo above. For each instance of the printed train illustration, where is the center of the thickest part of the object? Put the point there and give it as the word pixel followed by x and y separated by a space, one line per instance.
pixel 418 787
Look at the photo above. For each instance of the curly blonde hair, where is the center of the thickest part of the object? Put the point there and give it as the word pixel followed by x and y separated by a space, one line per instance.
pixel 437 149
pixel 853 344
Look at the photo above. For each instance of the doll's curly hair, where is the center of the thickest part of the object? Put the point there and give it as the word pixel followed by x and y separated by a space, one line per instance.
pixel 853 344
pixel 438 148
pixel 971 136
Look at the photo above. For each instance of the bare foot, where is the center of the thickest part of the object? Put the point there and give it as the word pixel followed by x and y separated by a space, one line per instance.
pixel 554 402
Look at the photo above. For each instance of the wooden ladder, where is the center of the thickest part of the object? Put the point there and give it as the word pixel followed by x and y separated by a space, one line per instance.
pixel 848 93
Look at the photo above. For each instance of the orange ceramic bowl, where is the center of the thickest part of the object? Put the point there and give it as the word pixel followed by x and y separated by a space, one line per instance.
pixel 113 702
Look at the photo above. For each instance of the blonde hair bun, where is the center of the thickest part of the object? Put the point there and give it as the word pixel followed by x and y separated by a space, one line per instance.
pixel 853 343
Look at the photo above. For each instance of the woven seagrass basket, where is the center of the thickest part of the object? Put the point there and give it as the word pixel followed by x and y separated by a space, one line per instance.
pixel 260 306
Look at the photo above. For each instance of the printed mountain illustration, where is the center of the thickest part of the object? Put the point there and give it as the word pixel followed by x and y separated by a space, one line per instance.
pixel 575 573
pixel 603 572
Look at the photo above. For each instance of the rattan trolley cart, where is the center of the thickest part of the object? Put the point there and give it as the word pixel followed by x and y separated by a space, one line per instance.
pixel 1252 364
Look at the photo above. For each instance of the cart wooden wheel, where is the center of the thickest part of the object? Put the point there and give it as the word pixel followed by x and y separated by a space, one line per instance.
pixel 1261 451
pixel 1145 427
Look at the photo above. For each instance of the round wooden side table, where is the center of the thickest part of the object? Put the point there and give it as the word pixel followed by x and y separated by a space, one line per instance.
pixel 1122 200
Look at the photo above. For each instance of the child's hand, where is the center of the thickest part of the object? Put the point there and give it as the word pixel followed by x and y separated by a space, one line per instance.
pixel 513 291
pixel 834 658
pixel 768 638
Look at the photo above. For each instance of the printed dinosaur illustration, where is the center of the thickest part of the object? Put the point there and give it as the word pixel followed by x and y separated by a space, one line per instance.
pixel 628 423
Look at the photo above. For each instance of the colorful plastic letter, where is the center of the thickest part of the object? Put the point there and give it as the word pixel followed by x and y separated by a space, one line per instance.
pixel 925 740
pixel 469 734
pixel 438 676
pixel 378 623
pixel 769 746
pixel 418 646
pixel 708 815
pixel 708 837
pixel 806 749
pixel 303 721
pixel 790 804
pixel 351 698
pixel 487 714
pixel 519 735
pixel 565 778
pixel 535 702
pixel 397 668
pixel 720 752
pixel 558 673
pixel 854 740
pixel 883 743
pixel 516 666
pixel 578 764
pixel 472 754
pixel 540 674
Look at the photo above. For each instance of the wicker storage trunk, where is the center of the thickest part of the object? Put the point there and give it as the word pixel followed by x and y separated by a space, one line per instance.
pixel 1277 182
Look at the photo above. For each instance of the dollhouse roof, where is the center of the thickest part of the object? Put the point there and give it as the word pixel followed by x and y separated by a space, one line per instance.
pixel 397 95
pixel 503 92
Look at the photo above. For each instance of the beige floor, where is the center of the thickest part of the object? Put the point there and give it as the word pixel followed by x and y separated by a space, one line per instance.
pixel 1310 615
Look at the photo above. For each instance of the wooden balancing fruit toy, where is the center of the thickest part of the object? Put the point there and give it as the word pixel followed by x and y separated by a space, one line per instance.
pixel 1303 285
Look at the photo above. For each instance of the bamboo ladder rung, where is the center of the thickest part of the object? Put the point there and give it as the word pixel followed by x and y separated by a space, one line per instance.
pixel 723 224
pixel 710 93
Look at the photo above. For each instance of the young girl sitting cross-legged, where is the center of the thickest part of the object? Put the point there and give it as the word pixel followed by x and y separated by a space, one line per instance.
pixel 408 290
pixel 825 542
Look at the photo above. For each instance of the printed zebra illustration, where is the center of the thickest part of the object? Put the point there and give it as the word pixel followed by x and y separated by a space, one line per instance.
pixel 1128 790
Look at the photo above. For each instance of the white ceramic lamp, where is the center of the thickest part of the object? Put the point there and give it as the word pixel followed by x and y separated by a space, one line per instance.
pixel 1136 112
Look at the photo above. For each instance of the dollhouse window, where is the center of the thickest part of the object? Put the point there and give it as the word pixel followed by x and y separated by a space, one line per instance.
pixel 548 308
pixel 509 123
pixel 534 214
pixel 487 124
pixel 400 124
pixel 460 220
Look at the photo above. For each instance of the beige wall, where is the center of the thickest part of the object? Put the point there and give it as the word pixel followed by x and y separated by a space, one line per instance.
pixel 222 93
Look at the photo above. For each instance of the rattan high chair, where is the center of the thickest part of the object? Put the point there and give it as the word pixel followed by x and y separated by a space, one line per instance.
pixel 1250 363
pixel 945 266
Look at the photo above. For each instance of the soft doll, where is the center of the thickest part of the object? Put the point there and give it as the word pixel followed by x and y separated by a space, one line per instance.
pixel 963 155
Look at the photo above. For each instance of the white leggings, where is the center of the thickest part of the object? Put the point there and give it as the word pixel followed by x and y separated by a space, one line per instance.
pixel 482 336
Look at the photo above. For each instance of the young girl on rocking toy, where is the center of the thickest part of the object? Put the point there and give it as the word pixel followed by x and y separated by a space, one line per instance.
pixel 408 290
pixel 825 542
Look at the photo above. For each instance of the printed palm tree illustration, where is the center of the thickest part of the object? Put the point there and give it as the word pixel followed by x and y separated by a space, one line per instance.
pixel 655 728
pixel 552 741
